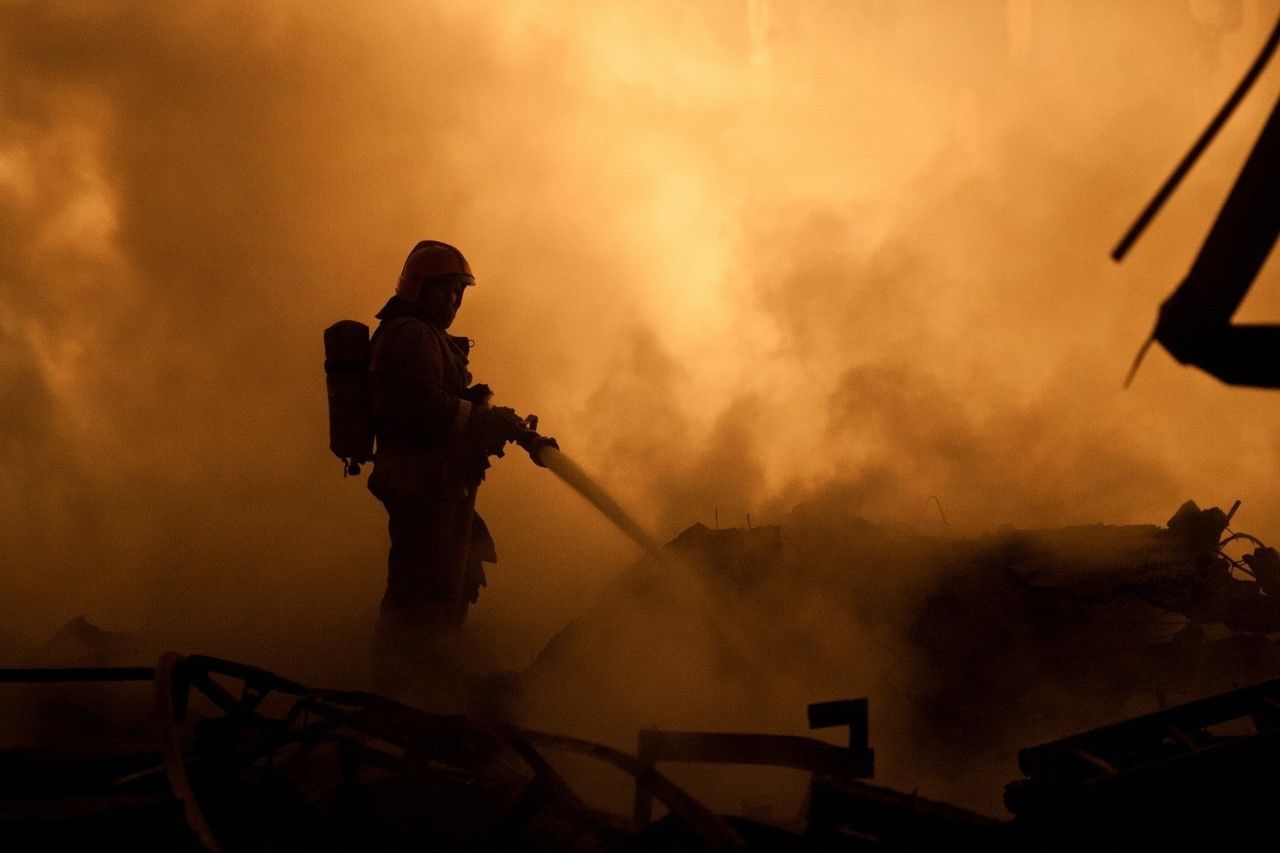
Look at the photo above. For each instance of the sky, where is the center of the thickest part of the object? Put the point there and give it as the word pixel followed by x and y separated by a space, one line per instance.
pixel 735 255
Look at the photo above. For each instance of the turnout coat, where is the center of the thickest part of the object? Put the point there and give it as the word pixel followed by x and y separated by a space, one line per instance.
pixel 426 467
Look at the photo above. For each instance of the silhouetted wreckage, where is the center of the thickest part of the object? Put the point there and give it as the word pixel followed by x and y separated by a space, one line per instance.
pixel 1003 620
pixel 1201 776
pixel 1194 323
pixel 1184 569
pixel 233 757
pixel 245 759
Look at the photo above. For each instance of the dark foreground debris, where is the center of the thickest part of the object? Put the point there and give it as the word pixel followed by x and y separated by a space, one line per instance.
pixel 1201 776
pixel 210 754
pixel 245 759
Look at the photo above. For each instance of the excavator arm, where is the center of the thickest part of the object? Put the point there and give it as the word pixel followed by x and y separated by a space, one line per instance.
pixel 1195 321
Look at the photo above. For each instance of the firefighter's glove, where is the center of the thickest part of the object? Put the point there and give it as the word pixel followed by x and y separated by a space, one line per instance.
pixel 492 427
pixel 510 423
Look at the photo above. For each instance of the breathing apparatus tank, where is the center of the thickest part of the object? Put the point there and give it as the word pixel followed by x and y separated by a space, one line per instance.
pixel 346 368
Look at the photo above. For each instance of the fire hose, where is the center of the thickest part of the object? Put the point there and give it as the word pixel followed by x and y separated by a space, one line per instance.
pixel 546 453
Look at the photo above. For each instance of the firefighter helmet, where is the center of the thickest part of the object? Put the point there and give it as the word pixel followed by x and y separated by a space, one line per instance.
pixel 432 261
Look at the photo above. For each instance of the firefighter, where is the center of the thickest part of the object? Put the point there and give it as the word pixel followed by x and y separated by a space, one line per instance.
pixel 435 433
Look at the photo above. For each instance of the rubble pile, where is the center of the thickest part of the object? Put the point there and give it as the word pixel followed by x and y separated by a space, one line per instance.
pixel 971 646
pixel 708 645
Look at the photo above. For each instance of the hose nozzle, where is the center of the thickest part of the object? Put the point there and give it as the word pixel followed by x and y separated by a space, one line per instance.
pixel 534 443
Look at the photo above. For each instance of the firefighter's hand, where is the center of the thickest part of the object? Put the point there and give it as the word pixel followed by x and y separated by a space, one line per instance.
pixel 510 424
pixel 477 395
pixel 492 427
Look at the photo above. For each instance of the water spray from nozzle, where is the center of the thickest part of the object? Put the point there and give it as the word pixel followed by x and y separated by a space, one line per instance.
pixel 553 459
pixel 546 453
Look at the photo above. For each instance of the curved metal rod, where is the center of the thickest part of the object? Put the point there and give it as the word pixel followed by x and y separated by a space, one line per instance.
pixel 246 673
pixel 1234 536
pixel 175 676
pixel 168 703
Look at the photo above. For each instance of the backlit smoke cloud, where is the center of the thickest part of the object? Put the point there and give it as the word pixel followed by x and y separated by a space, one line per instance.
pixel 735 254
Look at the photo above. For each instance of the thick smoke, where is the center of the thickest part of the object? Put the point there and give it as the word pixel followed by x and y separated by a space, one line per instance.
pixel 739 256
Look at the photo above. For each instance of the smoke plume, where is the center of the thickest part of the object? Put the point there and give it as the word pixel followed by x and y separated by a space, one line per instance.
pixel 738 256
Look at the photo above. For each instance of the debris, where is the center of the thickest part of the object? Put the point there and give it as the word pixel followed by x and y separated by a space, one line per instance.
pixel 246 759
pixel 1200 776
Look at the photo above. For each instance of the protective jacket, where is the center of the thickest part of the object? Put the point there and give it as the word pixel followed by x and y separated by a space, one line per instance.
pixel 426 467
